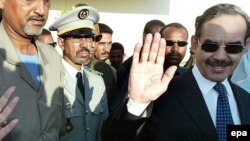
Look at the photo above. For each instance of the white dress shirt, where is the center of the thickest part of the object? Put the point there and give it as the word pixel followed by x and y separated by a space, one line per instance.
pixel 71 70
pixel 210 96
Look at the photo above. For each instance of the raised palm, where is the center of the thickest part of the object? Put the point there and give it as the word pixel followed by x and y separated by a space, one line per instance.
pixel 147 80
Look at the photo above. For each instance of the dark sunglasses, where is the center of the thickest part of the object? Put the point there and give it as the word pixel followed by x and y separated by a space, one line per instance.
pixel 53 44
pixel 179 43
pixel 97 38
pixel 230 48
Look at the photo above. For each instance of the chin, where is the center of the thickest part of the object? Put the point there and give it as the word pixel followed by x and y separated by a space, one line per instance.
pixel 217 77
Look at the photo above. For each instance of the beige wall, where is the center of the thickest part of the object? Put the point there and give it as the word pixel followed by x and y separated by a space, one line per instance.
pixel 158 7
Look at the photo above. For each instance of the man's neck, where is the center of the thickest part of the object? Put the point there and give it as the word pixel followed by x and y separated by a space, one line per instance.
pixel 23 44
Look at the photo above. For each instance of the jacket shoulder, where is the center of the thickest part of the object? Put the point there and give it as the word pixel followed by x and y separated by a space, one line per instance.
pixel 91 71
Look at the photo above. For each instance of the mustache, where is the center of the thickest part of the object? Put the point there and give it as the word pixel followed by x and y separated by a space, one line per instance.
pixel 218 63
pixel 83 49
pixel 37 17
pixel 174 54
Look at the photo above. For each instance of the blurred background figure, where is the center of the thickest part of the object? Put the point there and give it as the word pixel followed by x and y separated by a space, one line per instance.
pixel 116 55
pixel 46 37
pixel 0 15
pixel 104 45
pixel 97 38
pixel 241 75
pixel 191 61
pixel 176 36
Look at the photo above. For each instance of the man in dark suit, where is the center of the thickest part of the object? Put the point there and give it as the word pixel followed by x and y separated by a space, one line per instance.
pixel 190 108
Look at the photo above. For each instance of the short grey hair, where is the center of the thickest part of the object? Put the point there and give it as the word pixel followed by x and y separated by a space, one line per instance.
pixel 218 10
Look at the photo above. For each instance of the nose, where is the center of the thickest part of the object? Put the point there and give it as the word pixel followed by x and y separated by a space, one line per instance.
pixel 220 54
pixel 175 47
pixel 116 59
pixel 107 48
pixel 41 7
pixel 84 43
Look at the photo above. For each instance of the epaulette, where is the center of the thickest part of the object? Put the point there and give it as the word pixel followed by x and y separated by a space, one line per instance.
pixel 94 71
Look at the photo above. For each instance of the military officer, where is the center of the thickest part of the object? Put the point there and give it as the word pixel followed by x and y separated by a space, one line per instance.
pixel 86 104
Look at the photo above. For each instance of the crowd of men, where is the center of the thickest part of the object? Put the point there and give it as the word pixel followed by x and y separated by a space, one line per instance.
pixel 90 93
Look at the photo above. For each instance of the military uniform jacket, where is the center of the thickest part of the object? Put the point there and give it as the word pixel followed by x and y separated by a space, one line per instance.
pixel 86 116
pixel 108 77
pixel 39 109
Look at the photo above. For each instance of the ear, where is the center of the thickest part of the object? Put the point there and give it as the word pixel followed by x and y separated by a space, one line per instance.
pixel 194 44
pixel 247 45
pixel 60 42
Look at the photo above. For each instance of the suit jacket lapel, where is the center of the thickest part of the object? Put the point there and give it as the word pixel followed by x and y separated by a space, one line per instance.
pixel 44 67
pixel 242 103
pixel 88 90
pixel 194 103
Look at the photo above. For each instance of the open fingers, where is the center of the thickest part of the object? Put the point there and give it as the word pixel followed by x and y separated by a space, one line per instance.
pixel 136 54
pixel 8 109
pixel 161 52
pixel 9 127
pixel 154 47
pixel 146 48
pixel 5 98
pixel 168 75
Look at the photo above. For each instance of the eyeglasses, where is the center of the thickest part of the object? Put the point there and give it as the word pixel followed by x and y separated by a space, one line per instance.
pixel 53 44
pixel 230 48
pixel 179 43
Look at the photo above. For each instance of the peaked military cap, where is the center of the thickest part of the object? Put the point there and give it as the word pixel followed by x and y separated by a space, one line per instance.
pixel 77 22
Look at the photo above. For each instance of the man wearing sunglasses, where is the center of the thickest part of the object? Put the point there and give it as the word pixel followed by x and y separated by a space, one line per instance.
pixel 85 99
pixel 176 36
pixel 199 104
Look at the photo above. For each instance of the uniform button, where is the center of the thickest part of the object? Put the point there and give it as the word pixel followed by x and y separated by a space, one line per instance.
pixel 87 129
pixel 87 112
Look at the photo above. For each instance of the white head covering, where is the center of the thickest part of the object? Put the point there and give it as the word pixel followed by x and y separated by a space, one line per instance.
pixel 241 75
pixel 76 19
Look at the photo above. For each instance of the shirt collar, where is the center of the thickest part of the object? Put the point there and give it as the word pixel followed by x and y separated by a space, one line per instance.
pixel 71 70
pixel 204 83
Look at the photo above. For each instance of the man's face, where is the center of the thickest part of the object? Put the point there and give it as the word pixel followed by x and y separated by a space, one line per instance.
pixel 116 58
pixel 46 38
pixel 176 39
pixel 95 43
pixel 26 17
pixel 75 50
pixel 227 30
pixel 103 47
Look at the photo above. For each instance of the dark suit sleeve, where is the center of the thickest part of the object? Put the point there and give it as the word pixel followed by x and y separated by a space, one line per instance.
pixel 122 126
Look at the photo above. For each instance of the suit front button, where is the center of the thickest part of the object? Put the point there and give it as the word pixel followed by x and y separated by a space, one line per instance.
pixel 86 112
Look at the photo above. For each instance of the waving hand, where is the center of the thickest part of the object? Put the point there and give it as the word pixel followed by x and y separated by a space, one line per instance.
pixel 147 79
